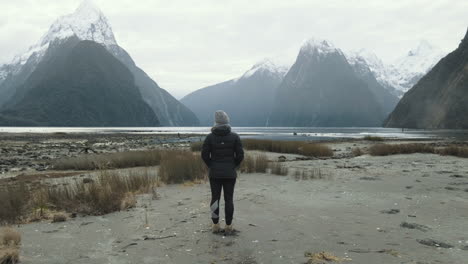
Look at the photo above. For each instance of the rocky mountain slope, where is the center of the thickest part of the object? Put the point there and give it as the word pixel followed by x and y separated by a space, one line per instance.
pixel 322 89
pixel 247 99
pixel 439 99
pixel 79 83
pixel 89 23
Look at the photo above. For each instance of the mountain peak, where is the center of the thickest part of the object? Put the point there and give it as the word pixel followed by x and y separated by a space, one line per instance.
pixel 267 65
pixel 424 47
pixel 321 46
pixel 87 23
pixel 88 9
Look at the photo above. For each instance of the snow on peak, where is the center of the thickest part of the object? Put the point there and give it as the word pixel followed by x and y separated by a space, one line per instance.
pixel 424 47
pixel 87 23
pixel 420 59
pixel 374 64
pixel 319 46
pixel 267 66
pixel 405 71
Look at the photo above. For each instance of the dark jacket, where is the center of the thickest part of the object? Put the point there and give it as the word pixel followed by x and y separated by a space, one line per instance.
pixel 222 152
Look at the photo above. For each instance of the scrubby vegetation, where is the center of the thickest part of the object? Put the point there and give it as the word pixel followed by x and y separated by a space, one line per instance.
pixel 108 193
pixel 292 147
pixel 357 152
pixel 196 146
pixel 392 149
pixel 10 241
pixel 278 168
pixel 127 159
pixel 458 151
pixel 312 174
pixel 373 138
pixel 254 164
pixel 178 166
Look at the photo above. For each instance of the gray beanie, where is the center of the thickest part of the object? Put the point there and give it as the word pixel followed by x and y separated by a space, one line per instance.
pixel 221 118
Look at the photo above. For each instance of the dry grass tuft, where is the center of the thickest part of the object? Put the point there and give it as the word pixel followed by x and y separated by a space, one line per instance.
pixel 9 255
pixel 59 217
pixel 322 257
pixel 313 174
pixel 357 152
pixel 458 151
pixel 128 201
pixel 254 164
pixel 10 241
pixel 196 146
pixel 180 166
pixel 13 202
pixel 110 160
pixel 278 168
pixel 392 149
pixel 316 150
pixel 9 237
pixel 293 147
pixel 373 138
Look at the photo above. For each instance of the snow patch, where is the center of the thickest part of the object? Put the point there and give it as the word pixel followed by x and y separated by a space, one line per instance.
pixel 405 71
pixel 318 46
pixel 87 23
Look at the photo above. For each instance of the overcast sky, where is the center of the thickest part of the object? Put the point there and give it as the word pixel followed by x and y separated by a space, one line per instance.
pixel 186 45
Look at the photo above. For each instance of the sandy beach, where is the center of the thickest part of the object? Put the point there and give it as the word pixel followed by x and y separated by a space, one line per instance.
pixel 366 209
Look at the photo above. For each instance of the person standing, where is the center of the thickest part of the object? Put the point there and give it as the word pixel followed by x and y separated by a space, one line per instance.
pixel 222 152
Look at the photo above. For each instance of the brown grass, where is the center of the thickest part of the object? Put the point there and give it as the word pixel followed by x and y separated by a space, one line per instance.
pixel 196 146
pixel 254 164
pixel 59 217
pixel 9 255
pixel 392 149
pixel 357 152
pixel 316 150
pixel 108 193
pixel 322 257
pixel 373 138
pixel 129 201
pixel 111 160
pixel 179 166
pixel 278 168
pixel 9 237
pixel 312 174
pixel 458 151
pixel 10 241
pixel 293 147
pixel 13 202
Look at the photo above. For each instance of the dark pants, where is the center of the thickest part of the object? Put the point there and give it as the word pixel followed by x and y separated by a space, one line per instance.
pixel 228 188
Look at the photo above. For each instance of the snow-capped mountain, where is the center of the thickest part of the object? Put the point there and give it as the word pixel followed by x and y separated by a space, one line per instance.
pixel 88 23
pixel 248 99
pixel 318 47
pixel 323 89
pixel 406 71
pixel 267 66
pixel 439 100
pixel 364 60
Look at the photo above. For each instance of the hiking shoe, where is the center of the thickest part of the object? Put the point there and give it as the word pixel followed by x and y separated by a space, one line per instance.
pixel 215 228
pixel 228 230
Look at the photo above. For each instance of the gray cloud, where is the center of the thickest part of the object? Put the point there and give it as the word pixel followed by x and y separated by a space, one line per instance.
pixel 186 45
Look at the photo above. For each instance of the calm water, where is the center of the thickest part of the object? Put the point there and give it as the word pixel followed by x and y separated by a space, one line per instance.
pixel 284 133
